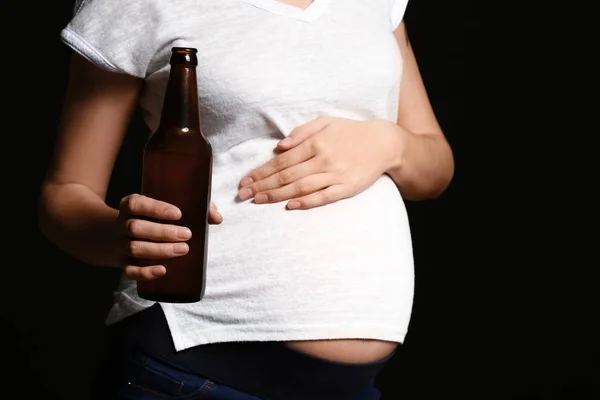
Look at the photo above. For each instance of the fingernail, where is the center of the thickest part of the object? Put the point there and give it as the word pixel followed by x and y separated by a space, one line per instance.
pixel 184 233
pixel 245 194
pixel 261 198
pixel 158 271
pixel 292 205
pixel 173 213
pixel 246 181
pixel 180 248
pixel 287 141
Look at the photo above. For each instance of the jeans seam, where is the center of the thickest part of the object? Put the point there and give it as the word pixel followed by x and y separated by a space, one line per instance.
pixel 206 386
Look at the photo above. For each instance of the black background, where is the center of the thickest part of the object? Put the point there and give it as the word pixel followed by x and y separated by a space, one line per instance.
pixel 503 303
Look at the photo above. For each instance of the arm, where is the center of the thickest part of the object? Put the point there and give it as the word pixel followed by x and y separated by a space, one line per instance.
pixel 329 158
pixel 96 113
pixel 424 164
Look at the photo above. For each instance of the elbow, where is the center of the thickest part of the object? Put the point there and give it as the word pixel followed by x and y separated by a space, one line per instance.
pixel 446 174
pixel 43 214
pixel 431 191
pixel 440 188
pixel 434 183
pixel 48 210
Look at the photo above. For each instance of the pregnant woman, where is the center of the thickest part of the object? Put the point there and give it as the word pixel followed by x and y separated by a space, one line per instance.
pixel 321 128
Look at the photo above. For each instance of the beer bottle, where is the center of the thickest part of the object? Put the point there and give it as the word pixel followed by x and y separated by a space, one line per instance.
pixel 177 169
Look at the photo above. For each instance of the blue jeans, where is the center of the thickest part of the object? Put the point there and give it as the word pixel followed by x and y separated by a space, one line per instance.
pixel 142 364
pixel 149 378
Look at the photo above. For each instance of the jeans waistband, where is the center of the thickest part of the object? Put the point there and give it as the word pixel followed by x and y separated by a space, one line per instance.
pixel 269 370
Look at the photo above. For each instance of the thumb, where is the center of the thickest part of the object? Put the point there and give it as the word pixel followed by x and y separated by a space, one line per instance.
pixel 214 216
pixel 303 132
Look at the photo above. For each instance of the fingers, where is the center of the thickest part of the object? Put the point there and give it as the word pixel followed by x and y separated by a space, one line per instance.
pixel 139 205
pixel 147 240
pixel 303 132
pixel 326 196
pixel 154 251
pixel 138 249
pixel 280 162
pixel 300 188
pixel 144 273
pixel 281 178
pixel 214 216
pixel 142 229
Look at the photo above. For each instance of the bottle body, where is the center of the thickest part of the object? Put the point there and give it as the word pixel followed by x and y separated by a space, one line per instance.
pixel 177 169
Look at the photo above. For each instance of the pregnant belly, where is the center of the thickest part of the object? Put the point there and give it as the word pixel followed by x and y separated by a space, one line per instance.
pixel 346 350
pixel 344 268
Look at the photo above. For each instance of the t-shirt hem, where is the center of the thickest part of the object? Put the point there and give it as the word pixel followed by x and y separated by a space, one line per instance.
pixel 272 333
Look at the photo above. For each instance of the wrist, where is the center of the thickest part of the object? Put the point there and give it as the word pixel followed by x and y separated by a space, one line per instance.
pixel 79 222
pixel 394 145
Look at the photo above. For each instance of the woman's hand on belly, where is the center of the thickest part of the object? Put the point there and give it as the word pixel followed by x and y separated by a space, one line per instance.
pixel 323 161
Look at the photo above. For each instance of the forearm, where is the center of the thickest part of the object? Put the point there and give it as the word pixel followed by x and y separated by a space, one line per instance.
pixel 79 222
pixel 422 165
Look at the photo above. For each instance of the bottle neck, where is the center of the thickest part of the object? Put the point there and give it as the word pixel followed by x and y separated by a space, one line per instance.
pixel 180 105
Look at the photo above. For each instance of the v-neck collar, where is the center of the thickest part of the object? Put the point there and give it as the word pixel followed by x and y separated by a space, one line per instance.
pixel 310 13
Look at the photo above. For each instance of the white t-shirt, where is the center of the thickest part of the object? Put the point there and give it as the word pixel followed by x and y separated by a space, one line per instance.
pixel 344 270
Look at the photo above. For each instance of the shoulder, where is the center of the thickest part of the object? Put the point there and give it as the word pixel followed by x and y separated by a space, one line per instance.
pixel 122 10
pixel 392 10
pixel 123 36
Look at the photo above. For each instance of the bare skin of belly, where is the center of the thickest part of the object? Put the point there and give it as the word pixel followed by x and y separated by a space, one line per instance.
pixel 353 351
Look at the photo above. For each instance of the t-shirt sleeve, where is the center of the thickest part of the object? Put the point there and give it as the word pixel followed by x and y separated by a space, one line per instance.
pixel 119 36
pixel 398 8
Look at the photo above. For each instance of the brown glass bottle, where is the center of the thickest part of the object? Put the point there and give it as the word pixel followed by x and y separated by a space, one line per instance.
pixel 177 168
